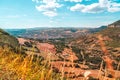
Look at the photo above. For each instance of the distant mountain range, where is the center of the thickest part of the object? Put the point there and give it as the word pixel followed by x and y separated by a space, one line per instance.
pixel 51 33
pixel 43 33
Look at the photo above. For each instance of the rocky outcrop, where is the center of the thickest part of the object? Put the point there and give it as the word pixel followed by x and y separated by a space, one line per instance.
pixel 115 24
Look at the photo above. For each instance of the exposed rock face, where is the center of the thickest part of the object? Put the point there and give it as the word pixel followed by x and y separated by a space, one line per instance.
pixel 46 47
pixel 115 24
pixel 6 39
pixel 22 41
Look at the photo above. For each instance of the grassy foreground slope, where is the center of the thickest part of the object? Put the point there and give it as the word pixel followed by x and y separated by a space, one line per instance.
pixel 18 67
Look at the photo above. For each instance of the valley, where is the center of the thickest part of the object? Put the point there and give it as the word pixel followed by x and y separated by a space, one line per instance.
pixel 73 53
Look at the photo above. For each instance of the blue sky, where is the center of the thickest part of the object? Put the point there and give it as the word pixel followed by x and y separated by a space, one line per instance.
pixel 58 13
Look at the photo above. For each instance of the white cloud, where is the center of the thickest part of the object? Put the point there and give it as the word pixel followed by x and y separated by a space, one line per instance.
pixel 50 13
pixel 49 7
pixel 78 7
pixel 74 0
pixel 93 8
pixel 114 7
pixel 49 1
pixel 101 6
pixel 103 3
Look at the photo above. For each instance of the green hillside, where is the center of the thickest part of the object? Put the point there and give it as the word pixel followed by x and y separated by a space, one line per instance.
pixel 6 39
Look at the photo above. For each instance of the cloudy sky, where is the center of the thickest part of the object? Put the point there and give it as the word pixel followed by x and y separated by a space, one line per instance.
pixel 58 13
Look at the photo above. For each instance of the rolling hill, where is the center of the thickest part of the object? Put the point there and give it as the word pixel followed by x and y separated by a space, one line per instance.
pixel 7 39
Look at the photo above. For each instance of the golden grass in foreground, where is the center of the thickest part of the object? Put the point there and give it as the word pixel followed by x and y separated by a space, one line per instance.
pixel 15 66
pixel 18 67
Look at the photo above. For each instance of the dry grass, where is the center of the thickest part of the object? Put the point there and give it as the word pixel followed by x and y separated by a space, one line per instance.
pixel 18 67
